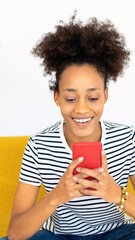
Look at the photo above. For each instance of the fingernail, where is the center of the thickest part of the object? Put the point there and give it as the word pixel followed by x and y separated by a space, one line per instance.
pixel 101 170
pixel 80 159
pixel 103 152
pixel 78 169
pixel 75 178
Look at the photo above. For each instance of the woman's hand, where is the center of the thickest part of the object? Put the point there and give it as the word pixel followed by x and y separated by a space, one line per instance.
pixel 103 186
pixel 67 188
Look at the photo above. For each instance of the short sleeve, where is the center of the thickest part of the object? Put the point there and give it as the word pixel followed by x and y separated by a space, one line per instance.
pixel 29 169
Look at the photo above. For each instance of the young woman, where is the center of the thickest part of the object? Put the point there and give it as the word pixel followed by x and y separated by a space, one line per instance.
pixel 84 58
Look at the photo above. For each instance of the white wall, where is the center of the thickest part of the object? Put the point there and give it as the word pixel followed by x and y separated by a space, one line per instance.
pixel 26 105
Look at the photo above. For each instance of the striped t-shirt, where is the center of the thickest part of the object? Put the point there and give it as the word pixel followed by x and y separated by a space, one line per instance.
pixel 46 158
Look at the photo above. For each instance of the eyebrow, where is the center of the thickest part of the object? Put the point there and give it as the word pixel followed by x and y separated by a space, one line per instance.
pixel 75 90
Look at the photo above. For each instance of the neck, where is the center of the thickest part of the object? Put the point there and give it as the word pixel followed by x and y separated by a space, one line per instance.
pixel 96 137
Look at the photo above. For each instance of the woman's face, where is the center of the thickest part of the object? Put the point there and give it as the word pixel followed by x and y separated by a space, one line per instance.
pixel 81 99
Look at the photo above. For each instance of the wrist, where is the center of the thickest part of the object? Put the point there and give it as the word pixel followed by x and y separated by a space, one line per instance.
pixel 53 199
pixel 124 196
pixel 118 195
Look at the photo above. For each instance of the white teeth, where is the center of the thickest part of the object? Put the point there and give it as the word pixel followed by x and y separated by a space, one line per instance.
pixel 82 120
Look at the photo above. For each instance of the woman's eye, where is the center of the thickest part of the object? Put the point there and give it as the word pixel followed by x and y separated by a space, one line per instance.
pixel 91 99
pixel 71 100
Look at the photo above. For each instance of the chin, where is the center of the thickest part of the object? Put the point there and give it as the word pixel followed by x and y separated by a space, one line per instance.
pixel 83 136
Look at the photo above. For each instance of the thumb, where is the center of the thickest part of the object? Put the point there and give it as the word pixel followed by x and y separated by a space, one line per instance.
pixel 104 161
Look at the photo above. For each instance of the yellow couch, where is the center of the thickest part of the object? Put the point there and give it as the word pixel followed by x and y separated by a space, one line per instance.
pixel 11 151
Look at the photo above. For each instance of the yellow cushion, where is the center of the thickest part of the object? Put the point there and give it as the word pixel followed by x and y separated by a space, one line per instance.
pixel 130 188
pixel 11 152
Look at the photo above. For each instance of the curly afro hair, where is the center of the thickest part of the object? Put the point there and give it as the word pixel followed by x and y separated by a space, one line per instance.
pixel 97 43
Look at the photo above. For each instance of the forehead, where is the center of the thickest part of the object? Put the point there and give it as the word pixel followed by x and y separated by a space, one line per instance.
pixel 84 76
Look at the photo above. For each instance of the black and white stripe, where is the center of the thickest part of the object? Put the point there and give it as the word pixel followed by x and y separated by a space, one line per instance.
pixel 47 157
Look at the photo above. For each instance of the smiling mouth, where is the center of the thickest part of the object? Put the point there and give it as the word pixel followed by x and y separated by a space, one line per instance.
pixel 82 120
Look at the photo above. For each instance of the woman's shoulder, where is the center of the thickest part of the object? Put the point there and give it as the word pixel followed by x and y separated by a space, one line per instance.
pixel 50 131
pixel 114 125
pixel 118 129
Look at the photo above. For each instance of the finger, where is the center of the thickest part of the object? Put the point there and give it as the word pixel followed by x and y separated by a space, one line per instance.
pixel 74 164
pixel 91 191
pixel 79 176
pixel 104 161
pixel 92 184
pixel 89 172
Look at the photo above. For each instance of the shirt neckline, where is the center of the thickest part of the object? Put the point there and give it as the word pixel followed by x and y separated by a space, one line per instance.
pixel 65 142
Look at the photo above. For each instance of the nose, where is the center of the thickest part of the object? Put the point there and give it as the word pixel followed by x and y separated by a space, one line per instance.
pixel 82 107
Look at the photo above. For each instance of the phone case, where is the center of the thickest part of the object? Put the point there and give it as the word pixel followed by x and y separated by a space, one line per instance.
pixel 91 151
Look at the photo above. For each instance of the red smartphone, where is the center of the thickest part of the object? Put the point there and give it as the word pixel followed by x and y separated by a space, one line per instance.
pixel 91 151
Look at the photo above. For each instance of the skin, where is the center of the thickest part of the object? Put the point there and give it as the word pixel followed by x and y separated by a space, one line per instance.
pixel 81 98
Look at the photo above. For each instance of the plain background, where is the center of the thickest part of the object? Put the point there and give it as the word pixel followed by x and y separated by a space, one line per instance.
pixel 26 104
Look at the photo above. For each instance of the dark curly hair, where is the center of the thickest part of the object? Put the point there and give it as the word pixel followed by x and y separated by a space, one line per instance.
pixel 97 43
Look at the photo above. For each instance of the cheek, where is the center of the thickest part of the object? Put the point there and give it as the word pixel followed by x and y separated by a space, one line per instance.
pixel 66 109
pixel 98 108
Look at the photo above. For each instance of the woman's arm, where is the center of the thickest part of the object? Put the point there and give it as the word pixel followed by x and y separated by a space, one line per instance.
pixel 106 187
pixel 28 216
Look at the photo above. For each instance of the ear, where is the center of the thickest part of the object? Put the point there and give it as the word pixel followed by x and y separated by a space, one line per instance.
pixel 56 98
pixel 106 94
